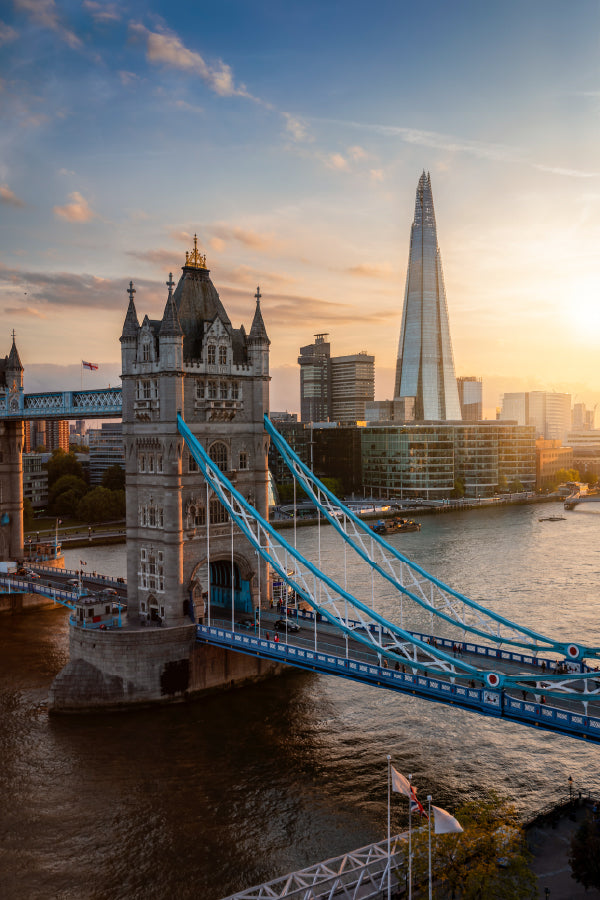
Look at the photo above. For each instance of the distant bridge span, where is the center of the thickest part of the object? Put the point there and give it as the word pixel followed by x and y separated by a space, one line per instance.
pixel 104 403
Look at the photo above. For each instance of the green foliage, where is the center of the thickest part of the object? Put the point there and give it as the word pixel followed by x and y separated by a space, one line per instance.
pixel 114 478
pixel 286 493
pixel 62 485
pixel 502 485
pixel 27 514
pixel 78 448
pixel 564 475
pixel 61 463
pixel 458 490
pixel 488 860
pixel 585 853
pixel 516 486
pixel 101 505
pixel 335 485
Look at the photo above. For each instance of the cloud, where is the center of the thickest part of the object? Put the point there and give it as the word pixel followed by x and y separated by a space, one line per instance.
pixel 296 127
pixel 24 312
pixel 385 270
pixel 128 78
pixel 78 210
pixel 251 276
pixel 357 153
pixel 337 161
pixel 44 13
pixel 102 12
pixel 377 174
pixel 165 48
pixel 254 240
pixel 7 34
pixel 570 173
pixel 165 259
pixel 9 197
pixel 188 107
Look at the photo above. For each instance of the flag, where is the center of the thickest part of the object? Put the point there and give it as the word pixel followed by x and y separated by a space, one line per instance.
pixel 403 786
pixel 88 365
pixel 444 822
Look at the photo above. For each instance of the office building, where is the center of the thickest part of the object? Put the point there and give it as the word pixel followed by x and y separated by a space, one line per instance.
pixel 35 479
pixel 336 388
pixel 106 449
pixel 548 411
pixel 425 365
pixel 550 457
pixel 470 395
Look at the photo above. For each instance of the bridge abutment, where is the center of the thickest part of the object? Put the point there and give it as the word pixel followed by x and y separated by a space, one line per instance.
pixel 122 669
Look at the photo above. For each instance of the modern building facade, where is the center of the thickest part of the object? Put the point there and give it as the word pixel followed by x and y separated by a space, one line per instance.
pixel 470 395
pixel 424 460
pixel 35 479
pixel 551 456
pixel 548 411
pixel 106 449
pixel 334 388
pixel 425 364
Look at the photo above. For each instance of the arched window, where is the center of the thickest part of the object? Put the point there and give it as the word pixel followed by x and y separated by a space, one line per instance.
pixel 222 356
pixel 218 513
pixel 218 454
pixel 211 355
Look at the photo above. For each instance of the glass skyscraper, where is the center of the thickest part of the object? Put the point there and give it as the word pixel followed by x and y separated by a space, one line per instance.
pixel 425 366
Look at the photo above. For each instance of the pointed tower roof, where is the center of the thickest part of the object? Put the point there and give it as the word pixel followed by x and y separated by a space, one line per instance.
pixel 13 361
pixel 258 332
pixel 170 324
pixel 197 303
pixel 131 325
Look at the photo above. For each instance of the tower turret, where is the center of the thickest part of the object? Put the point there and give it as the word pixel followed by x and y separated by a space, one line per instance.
pixel 129 335
pixel 170 335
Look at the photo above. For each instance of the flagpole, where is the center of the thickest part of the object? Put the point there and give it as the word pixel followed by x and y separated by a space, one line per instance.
pixel 429 802
pixel 389 890
pixel 410 843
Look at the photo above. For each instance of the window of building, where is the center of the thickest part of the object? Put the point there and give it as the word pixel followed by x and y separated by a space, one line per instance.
pixel 199 389
pixel 218 513
pixel 223 390
pixel 146 351
pixel 200 516
pixel 159 463
pixel 222 356
pixel 218 454
pixel 211 354
pixel 192 464
pixel 235 390
pixel 151 463
pixel 142 463
pixel 243 460
pixel 212 390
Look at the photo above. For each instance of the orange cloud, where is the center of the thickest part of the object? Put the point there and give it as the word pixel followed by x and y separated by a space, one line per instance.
pixel 78 210
pixel 9 197
pixel 44 13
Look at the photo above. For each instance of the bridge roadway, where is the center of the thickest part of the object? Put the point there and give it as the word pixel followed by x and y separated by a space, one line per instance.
pixel 324 649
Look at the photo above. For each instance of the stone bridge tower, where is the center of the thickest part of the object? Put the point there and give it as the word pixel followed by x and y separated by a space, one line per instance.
pixel 11 460
pixel 195 362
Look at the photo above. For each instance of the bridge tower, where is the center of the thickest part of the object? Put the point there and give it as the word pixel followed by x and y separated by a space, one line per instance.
pixel 11 462
pixel 195 362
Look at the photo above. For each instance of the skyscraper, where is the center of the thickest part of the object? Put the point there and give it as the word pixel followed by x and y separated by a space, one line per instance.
pixel 470 394
pixel 425 366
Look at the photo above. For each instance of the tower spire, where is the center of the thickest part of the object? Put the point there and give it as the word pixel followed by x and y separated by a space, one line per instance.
pixel 258 332
pixel 131 326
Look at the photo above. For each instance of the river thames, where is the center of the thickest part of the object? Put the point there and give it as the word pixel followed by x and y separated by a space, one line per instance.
pixel 203 799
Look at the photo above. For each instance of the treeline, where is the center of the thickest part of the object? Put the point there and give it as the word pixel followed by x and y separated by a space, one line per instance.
pixel 70 495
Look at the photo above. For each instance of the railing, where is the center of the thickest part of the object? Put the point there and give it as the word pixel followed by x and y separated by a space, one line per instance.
pixel 104 403
pixel 488 702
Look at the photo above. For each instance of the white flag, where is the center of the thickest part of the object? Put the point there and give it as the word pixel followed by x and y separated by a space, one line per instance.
pixel 444 822
pixel 401 784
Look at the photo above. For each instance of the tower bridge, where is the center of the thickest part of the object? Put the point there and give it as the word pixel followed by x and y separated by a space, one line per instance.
pixel 201 552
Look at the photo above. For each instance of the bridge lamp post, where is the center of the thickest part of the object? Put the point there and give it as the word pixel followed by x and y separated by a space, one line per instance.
pixel 570 779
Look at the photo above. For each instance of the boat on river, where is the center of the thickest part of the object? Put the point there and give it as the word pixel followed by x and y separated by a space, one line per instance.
pixel 391 526
pixel 552 519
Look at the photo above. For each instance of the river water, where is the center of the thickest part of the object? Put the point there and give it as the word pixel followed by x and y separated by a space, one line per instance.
pixel 208 798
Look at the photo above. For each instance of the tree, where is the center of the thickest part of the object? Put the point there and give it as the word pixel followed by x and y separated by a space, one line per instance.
pixel 589 477
pixel 286 493
pixel 516 486
pixel 502 485
pixel 489 859
pixel 564 475
pixel 585 853
pixel 114 478
pixel 61 463
pixel 458 491
pixel 335 485
pixel 27 514
pixel 62 485
pixel 100 505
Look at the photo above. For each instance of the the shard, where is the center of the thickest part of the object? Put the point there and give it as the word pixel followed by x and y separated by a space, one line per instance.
pixel 425 365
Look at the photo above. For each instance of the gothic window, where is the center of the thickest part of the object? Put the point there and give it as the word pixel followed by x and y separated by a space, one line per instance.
pixel 212 390
pixel 200 516
pixel 218 513
pixel 142 463
pixel 154 387
pixel 235 390
pixel 243 460
pixel 151 463
pixel 146 352
pixel 192 464
pixel 159 463
pixel 223 390
pixel 211 354
pixel 199 389
pixel 218 454
pixel 146 389
pixel 222 356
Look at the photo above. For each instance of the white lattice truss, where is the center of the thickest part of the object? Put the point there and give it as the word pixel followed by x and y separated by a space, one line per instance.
pixel 65 403
pixel 360 874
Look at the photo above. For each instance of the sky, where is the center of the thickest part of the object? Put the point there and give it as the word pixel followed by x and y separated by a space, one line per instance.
pixel 290 137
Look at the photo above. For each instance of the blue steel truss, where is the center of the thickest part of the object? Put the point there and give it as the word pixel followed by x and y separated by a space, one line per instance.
pixel 412 580
pixel 105 403
pixel 367 626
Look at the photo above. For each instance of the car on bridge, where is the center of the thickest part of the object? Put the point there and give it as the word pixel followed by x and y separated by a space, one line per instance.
pixel 286 625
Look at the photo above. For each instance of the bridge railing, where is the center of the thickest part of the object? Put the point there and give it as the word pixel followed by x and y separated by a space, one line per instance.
pixel 482 700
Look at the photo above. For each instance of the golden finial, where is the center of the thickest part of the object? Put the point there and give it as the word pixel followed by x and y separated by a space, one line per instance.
pixel 193 259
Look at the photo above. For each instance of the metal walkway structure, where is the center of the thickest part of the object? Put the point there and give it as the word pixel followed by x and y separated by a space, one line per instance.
pixel 359 875
pixel 513 662
pixel 105 403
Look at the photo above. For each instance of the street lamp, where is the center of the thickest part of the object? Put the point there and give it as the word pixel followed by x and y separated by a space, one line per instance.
pixel 547 892
pixel 570 787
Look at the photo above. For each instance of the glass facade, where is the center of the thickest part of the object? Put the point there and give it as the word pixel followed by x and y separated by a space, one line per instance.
pixel 425 460
pixel 425 365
